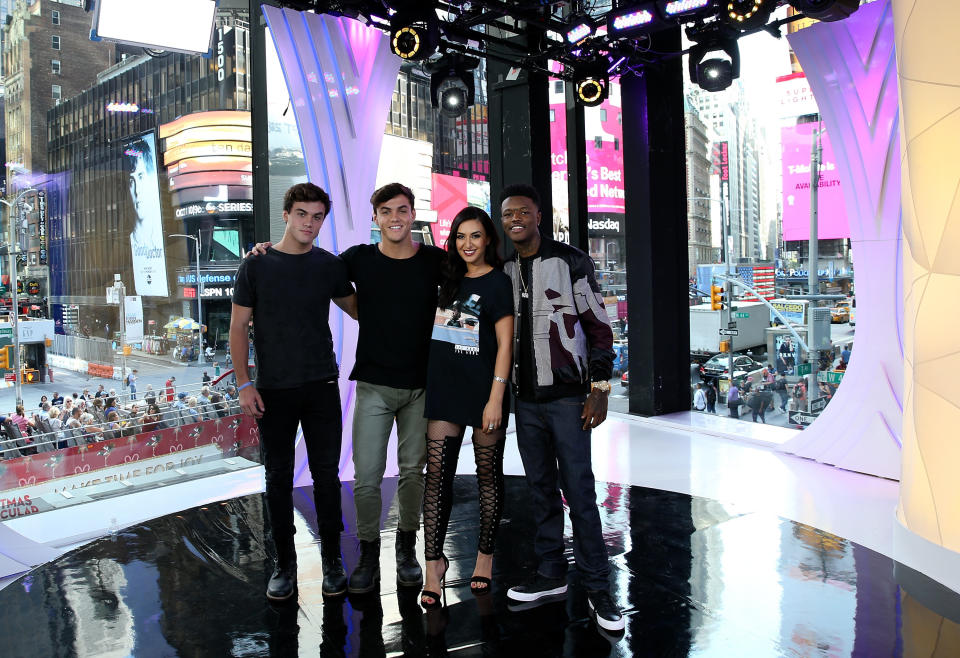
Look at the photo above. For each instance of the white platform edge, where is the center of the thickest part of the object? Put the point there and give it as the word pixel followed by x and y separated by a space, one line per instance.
pixel 941 564
pixel 58 531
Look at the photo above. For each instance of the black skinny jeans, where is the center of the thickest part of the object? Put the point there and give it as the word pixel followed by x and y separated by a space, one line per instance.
pixel 315 407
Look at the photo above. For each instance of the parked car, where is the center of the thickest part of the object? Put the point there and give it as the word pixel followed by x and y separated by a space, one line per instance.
pixel 718 367
pixel 840 313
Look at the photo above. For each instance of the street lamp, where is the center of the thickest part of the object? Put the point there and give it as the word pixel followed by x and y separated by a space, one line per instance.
pixel 12 249
pixel 196 242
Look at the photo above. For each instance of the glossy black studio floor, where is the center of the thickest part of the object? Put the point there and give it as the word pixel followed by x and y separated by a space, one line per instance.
pixel 693 577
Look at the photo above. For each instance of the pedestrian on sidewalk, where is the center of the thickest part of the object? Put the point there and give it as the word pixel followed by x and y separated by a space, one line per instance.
pixel 700 398
pixel 132 383
pixel 711 395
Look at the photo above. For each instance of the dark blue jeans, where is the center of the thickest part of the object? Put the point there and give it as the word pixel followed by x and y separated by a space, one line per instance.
pixel 556 454
pixel 316 407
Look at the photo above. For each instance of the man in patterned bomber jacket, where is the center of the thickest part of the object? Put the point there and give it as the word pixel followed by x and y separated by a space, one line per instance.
pixel 563 350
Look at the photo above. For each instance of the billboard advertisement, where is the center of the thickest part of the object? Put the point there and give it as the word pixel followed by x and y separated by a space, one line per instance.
pixel 794 96
pixel 450 194
pixel 604 132
pixel 133 318
pixel 146 239
pixel 832 215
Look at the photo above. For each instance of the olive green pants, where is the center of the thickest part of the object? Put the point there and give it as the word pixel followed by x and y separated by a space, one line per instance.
pixel 376 410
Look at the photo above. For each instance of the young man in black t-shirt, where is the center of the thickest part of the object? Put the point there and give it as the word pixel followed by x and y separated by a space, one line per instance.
pixel 285 291
pixel 396 282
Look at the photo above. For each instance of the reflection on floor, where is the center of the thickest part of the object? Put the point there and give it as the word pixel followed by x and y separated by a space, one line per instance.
pixel 695 577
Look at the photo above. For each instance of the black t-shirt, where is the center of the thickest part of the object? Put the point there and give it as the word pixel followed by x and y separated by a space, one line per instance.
pixel 526 373
pixel 463 350
pixel 290 296
pixel 396 300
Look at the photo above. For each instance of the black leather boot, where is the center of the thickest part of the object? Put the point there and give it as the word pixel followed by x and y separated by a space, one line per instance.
pixel 334 577
pixel 409 573
pixel 366 576
pixel 283 582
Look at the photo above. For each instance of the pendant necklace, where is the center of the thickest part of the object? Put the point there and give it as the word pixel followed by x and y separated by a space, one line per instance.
pixel 523 286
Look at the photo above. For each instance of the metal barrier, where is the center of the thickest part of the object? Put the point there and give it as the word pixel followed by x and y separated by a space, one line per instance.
pixel 96 350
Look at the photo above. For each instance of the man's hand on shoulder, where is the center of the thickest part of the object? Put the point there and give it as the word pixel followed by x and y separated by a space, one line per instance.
pixel 259 249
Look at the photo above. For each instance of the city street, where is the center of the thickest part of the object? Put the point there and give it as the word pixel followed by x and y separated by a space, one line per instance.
pixel 151 371
pixel 841 334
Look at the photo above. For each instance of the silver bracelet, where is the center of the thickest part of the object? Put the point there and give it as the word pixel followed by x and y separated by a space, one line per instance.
pixel 497 378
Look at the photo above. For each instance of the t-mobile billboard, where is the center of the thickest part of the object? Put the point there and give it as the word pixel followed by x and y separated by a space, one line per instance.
pixel 604 133
pixel 832 215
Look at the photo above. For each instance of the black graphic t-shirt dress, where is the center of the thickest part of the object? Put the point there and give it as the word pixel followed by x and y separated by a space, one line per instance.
pixel 463 350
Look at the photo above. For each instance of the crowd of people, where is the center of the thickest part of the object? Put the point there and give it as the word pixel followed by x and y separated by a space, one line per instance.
pixel 63 421
pixel 766 391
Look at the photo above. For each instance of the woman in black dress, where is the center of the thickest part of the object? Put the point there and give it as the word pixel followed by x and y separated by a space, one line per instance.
pixel 470 356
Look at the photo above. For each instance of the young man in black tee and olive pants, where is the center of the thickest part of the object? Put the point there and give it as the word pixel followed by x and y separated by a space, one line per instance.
pixel 287 293
pixel 396 284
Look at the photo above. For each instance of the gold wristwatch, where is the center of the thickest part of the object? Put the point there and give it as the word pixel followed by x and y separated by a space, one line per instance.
pixel 602 386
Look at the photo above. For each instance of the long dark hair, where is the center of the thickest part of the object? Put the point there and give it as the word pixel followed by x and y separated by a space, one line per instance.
pixel 454 267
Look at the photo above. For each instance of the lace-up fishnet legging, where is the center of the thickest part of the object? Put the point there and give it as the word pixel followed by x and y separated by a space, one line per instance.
pixel 443 450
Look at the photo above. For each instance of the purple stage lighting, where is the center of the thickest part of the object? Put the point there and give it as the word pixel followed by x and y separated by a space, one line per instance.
pixel 581 29
pixel 677 8
pixel 630 20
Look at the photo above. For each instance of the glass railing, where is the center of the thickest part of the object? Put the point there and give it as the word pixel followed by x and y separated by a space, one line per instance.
pixel 89 459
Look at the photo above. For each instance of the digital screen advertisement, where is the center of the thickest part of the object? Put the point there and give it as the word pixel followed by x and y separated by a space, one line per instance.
pixel 604 131
pixel 832 214
pixel 146 238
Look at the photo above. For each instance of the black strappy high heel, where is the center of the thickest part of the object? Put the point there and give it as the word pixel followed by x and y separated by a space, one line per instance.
pixel 435 603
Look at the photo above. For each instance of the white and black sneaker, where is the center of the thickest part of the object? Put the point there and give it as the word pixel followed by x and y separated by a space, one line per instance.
pixel 540 587
pixel 606 611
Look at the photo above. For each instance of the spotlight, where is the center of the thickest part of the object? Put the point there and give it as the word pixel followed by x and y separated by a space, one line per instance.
pixel 414 35
pixel 684 8
pixel 714 73
pixel 632 19
pixel 591 89
pixel 451 83
pixel 580 27
pixel 826 10
pixel 747 14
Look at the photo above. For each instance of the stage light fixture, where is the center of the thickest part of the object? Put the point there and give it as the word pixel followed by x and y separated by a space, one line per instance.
pixel 580 27
pixel 591 90
pixel 632 19
pixel 452 87
pixel 414 35
pixel 747 14
pixel 714 73
pixel 826 10
pixel 684 8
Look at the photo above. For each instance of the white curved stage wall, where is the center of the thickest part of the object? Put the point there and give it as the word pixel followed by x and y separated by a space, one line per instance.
pixel 851 68
pixel 340 75
pixel 928 53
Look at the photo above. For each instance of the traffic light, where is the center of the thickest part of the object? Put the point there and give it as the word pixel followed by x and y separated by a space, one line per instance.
pixel 716 298
pixel 724 346
pixel 5 357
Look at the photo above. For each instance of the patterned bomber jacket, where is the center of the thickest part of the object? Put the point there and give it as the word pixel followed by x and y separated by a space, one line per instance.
pixel 572 338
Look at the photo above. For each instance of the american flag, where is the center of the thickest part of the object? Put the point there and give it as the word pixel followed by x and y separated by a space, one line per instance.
pixel 760 277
